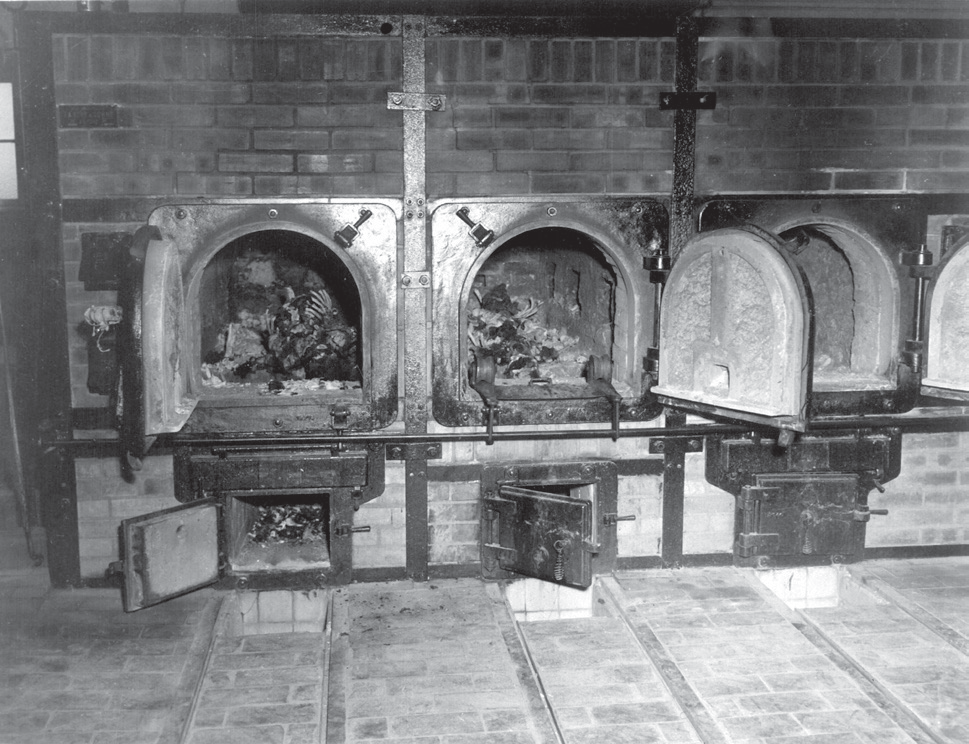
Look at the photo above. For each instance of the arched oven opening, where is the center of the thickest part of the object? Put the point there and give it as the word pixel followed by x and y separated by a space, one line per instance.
pixel 262 317
pixel 854 294
pixel 547 314
pixel 279 313
pixel 543 310
pixel 849 259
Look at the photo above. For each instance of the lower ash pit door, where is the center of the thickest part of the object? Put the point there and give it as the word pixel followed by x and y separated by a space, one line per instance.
pixel 170 552
pixel 542 535
pixel 947 352
pixel 735 330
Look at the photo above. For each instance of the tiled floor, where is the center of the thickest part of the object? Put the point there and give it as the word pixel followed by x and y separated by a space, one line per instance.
pixel 688 655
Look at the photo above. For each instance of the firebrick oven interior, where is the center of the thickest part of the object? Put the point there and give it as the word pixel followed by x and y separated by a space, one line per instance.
pixel 853 300
pixel 403 324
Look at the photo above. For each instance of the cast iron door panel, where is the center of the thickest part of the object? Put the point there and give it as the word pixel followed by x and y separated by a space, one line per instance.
pixel 735 330
pixel 542 535
pixel 947 355
pixel 168 397
pixel 170 552
pixel 787 515
pixel 131 389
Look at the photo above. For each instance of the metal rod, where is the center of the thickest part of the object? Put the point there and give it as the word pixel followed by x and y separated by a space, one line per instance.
pixel 924 423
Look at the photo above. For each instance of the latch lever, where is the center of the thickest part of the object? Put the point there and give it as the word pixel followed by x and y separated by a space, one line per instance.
pixel 481 234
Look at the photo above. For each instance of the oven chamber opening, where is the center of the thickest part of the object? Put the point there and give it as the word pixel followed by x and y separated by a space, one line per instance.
pixel 779 310
pixel 541 305
pixel 279 313
pixel 270 316
pixel 273 533
pixel 545 307
pixel 855 294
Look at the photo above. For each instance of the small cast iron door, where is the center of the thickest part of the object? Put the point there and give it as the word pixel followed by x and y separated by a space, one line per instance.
pixel 735 330
pixel 947 353
pixel 170 552
pixel 800 515
pixel 542 535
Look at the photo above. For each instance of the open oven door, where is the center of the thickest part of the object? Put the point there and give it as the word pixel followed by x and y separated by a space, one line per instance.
pixel 155 395
pixel 947 352
pixel 543 535
pixel 170 552
pixel 735 331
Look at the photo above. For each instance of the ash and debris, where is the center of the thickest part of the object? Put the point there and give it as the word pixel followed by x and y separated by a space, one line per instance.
pixel 289 523
pixel 284 326
pixel 509 330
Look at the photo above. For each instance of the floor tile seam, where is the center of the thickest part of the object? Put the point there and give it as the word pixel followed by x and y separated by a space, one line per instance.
pixel 880 694
pixel 681 691
pixel 219 623
pixel 920 614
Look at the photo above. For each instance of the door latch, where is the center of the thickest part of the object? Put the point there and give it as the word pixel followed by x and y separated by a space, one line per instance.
pixel 481 234
pixel 348 233
pixel 345 530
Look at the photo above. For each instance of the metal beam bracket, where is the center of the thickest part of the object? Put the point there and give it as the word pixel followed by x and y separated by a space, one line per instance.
pixel 688 101
pixel 662 446
pixel 416 101
pixel 416 280
pixel 414 450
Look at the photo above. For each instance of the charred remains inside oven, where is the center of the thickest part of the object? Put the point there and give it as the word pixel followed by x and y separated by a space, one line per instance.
pixel 541 306
pixel 279 312
pixel 273 533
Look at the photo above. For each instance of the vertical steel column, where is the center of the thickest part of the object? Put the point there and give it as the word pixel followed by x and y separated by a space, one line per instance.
pixel 684 136
pixel 55 479
pixel 681 229
pixel 416 300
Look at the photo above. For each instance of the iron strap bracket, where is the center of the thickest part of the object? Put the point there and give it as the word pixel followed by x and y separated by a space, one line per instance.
pixel 658 446
pixel 416 280
pixel 412 450
pixel 687 101
pixel 416 101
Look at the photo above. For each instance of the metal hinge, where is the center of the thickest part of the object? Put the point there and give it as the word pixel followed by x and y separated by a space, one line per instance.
pixel 397 101
pixel 610 519
pixel 662 446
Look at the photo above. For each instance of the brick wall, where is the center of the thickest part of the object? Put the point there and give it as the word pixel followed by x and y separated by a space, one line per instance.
pixel 927 503
pixel 230 117
pixel 834 115
pixel 104 499
pixel 549 116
